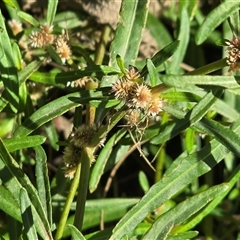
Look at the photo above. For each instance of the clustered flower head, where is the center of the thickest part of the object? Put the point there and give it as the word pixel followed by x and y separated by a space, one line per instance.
pixel 233 58
pixel 142 101
pixel 45 37
pixel 15 26
pixel 79 139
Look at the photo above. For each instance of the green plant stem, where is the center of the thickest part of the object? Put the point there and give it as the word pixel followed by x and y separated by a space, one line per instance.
pixel 209 68
pixel 87 153
pixel 67 206
pixel 100 52
pixel 90 110
pixel 86 158
pixel 159 164
pixel 102 45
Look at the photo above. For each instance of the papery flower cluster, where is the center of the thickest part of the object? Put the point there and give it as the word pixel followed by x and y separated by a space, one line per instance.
pixel 142 101
pixel 79 139
pixel 15 26
pixel 45 37
pixel 233 58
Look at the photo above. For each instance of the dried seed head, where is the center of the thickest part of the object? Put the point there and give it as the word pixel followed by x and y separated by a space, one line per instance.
pixel 71 157
pixel 121 88
pixel 156 106
pixel 140 97
pixel 15 26
pixel 62 48
pixel 80 83
pixel 132 73
pixel 83 136
pixel 233 58
pixel 42 38
pixel 133 117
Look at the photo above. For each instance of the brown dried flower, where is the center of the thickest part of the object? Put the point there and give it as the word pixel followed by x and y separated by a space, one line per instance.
pixel 83 135
pixel 62 48
pixel 133 117
pixel 71 157
pixel 42 38
pixel 140 97
pixel 132 73
pixel 156 106
pixel 233 58
pixel 15 26
pixel 121 88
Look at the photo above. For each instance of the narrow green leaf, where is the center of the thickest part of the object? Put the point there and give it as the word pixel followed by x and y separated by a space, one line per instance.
pixel 10 3
pixel 9 205
pixel 120 64
pixel 161 56
pixel 75 233
pixel 98 167
pixel 153 74
pixel 104 103
pixel 118 152
pixel 183 37
pixel 14 179
pixel 234 23
pixel 103 131
pixel 52 134
pixel 54 109
pixel 190 140
pixel 27 216
pixel 66 77
pixel 43 184
pixel 187 82
pixel 180 97
pixel 8 68
pixel 29 18
pixel 185 235
pixel 3 103
pixel 112 208
pixel 193 116
pixel 51 11
pixel 17 56
pixel 158 31
pixel 224 135
pixel 26 72
pixel 188 169
pixel 14 5
pixel 23 96
pixel 133 16
pixel 209 208
pixel 215 18
pixel 142 178
pixel 54 55
pixel 100 235
pixel 14 143
pixel 220 107
pixel 183 211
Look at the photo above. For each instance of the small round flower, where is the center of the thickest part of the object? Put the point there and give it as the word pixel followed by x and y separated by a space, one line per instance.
pixel 46 29
pixel 121 88
pixel 62 48
pixel 42 38
pixel 133 117
pixel 36 40
pixel 156 106
pixel 233 58
pixel 83 136
pixel 132 73
pixel 140 97
pixel 15 26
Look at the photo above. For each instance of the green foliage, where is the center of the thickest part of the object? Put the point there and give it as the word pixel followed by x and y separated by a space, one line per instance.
pixel 70 135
